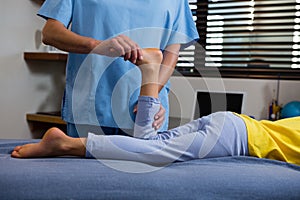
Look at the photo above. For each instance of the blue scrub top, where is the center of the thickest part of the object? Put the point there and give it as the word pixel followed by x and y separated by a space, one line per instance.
pixel 101 90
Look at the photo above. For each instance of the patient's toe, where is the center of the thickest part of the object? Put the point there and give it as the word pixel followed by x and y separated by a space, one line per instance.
pixel 17 148
pixel 15 154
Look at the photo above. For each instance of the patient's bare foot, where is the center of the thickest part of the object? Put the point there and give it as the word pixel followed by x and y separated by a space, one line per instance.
pixel 150 56
pixel 54 143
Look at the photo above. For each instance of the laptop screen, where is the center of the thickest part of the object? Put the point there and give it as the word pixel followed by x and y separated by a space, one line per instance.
pixel 209 102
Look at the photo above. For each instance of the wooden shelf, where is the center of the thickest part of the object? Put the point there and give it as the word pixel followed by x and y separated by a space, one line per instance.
pixel 45 118
pixel 40 123
pixel 45 56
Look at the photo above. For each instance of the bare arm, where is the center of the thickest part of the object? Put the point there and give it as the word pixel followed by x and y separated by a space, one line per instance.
pixel 57 35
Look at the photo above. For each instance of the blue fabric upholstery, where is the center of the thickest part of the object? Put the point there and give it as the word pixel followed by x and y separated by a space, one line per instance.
pixel 76 178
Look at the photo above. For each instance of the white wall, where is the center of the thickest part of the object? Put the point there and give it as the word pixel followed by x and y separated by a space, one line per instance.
pixel 24 87
pixel 258 92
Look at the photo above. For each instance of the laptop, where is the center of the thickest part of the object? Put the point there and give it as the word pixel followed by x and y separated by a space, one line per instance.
pixel 207 102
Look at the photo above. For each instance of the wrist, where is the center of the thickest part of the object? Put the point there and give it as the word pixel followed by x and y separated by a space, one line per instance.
pixel 92 44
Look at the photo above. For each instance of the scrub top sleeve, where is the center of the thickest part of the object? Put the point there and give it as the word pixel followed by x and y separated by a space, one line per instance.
pixel 184 30
pixel 60 10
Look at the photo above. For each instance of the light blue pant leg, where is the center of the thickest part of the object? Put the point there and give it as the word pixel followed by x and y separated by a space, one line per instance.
pixel 225 135
pixel 216 135
pixel 147 109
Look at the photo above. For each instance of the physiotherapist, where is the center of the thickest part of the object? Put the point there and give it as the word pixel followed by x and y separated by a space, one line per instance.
pixel 104 39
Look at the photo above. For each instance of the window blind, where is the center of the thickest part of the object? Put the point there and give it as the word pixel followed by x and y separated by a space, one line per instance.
pixel 187 57
pixel 245 33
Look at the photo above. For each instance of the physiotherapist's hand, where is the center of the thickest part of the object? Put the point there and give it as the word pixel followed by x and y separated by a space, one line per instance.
pixel 120 45
pixel 159 118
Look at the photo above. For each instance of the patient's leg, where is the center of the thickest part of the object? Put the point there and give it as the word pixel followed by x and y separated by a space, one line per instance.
pixel 217 135
pixel 148 102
